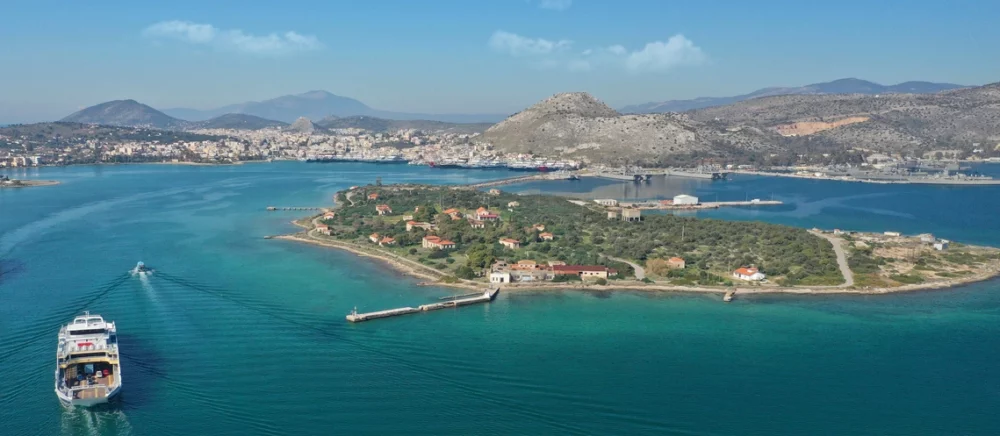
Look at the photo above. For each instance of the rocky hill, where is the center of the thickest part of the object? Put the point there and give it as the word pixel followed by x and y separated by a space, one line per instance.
pixel 841 86
pixel 381 125
pixel 578 126
pixel 302 125
pixel 125 113
pixel 236 121
pixel 893 122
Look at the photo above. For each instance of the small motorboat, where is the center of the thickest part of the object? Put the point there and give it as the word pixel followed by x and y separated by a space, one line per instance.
pixel 141 267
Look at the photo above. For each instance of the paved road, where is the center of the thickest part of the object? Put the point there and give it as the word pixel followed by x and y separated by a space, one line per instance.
pixel 640 272
pixel 838 248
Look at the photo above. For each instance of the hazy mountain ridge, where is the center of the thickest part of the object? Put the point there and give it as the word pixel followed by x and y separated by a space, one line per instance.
pixel 236 121
pixel 125 113
pixel 317 105
pixel 840 86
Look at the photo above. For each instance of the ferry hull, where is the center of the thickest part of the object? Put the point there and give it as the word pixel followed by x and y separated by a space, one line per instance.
pixel 87 402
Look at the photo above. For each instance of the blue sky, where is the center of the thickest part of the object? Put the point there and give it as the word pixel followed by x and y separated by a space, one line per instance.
pixel 473 56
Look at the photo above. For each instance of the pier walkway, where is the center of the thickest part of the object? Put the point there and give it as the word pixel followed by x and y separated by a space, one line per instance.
pixel 456 301
pixel 274 208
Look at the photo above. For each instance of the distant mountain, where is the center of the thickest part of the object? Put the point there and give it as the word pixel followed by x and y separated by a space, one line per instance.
pixel 317 105
pixel 375 124
pixel 841 86
pixel 236 121
pixel 125 113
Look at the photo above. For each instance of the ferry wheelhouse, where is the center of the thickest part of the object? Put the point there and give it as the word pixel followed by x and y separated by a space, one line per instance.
pixel 87 362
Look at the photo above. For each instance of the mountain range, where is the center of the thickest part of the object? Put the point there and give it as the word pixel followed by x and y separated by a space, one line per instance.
pixel 578 126
pixel 317 105
pixel 841 86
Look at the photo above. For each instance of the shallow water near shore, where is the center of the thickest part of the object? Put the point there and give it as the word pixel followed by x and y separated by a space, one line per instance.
pixel 234 334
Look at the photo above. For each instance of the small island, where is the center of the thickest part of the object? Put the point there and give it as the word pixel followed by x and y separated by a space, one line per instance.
pixel 464 237
pixel 7 182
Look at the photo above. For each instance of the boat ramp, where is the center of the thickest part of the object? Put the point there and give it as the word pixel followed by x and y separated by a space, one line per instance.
pixel 454 301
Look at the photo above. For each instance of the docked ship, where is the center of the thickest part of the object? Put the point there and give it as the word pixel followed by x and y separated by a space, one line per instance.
pixel 87 362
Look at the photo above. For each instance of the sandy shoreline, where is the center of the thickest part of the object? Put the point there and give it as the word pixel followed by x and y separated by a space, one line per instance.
pixel 424 272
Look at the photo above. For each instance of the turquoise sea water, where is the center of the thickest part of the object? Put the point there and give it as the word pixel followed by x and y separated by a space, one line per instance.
pixel 235 334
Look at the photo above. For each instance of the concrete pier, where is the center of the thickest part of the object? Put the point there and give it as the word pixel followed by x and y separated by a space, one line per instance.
pixel 275 208
pixel 461 300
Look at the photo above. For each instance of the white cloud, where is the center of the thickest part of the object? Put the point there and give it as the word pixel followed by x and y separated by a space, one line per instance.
pixel 656 56
pixel 517 45
pixel 555 5
pixel 234 39
pixel 678 51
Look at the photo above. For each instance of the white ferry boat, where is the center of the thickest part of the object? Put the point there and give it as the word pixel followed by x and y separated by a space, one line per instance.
pixel 87 367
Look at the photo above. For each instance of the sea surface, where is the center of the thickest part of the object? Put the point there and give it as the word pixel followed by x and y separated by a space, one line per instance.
pixel 236 334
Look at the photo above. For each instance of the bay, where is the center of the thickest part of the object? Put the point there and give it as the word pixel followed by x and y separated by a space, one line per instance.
pixel 235 334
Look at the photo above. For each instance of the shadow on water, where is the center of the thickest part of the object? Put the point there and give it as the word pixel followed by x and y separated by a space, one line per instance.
pixel 10 267
pixel 141 365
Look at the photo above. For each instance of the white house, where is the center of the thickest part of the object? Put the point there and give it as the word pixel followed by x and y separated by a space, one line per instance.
pixel 750 274
pixel 941 245
pixel 606 202
pixel 685 199
pixel 500 277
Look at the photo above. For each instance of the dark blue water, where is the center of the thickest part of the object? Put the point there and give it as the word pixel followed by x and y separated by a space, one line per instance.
pixel 240 335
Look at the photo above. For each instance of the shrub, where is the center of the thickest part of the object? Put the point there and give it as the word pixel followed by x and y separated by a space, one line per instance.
pixel 450 260
pixel 413 251
pixel 601 282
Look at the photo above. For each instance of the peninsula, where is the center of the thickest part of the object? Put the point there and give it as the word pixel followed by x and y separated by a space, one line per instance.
pixel 463 237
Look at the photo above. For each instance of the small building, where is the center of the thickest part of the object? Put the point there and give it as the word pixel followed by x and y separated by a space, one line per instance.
pixel 455 214
pixel 612 214
pixel 383 209
pixel 329 215
pixel 512 244
pixel 927 238
pixel 436 243
pixel 323 228
pixel 499 277
pixel 494 191
pixel 499 265
pixel 685 200
pixel 749 274
pixel 477 224
pixel 584 271
pixel 555 262
pixel 373 196
pixel 631 215
pixel 387 241
pixel 524 265
pixel 374 237
pixel 546 236
pixel 513 204
pixel 893 234
pixel 538 227
pixel 941 245
pixel 838 232
pixel 607 202
pixel 676 263
pixel 410 225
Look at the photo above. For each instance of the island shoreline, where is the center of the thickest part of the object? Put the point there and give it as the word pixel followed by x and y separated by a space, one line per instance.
pixel 987 275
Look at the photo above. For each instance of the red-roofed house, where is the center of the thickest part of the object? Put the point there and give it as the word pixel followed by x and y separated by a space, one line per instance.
pixel 436 243
pixel 387 241
pixel 676 263
pixel 323 228
pixel 750 274
pixel 374 237
pixel 373 196
pixel 455 214
pixel 477 224
pixel 585 271
pixel 383 209
pixel 546 236
pixel 512 244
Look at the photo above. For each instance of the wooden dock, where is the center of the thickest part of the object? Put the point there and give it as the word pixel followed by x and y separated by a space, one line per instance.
pixel 455 301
